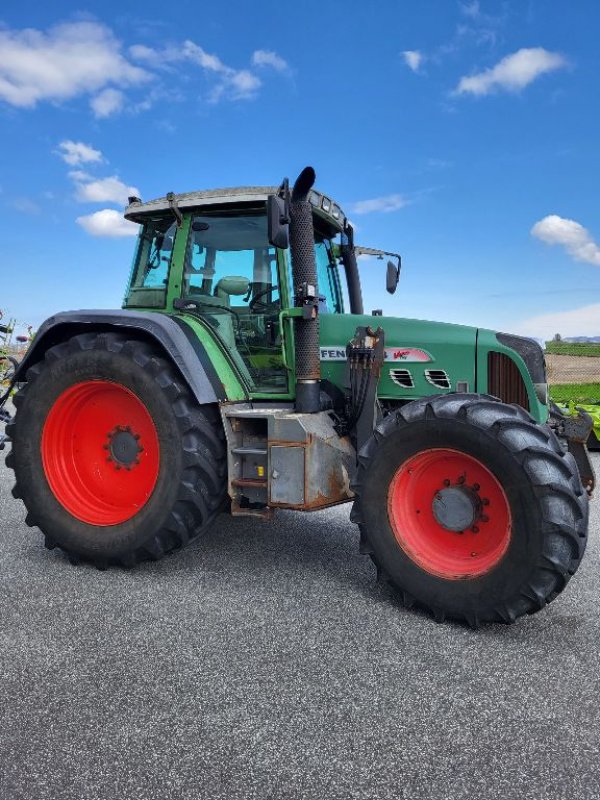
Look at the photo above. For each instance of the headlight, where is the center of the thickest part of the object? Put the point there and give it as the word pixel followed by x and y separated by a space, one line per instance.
pixel 326 204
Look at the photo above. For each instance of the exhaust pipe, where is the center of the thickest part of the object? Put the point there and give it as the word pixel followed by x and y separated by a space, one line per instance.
pixel 306 296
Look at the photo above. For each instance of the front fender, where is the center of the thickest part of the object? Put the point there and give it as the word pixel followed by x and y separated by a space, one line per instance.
pixel 174 337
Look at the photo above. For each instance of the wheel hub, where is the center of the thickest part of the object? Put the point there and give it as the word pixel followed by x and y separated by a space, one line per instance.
pixel 449 513
pixel 123 446
pixel 96 465
pixel 456 508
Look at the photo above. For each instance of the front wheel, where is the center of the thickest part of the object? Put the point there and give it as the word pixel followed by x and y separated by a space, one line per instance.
pixel 113 458
pixel 470 508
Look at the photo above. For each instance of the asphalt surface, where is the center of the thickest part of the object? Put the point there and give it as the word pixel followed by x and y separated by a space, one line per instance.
pixel 264 662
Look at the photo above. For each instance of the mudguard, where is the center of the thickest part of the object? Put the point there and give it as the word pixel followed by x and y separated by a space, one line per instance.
pixel 172 334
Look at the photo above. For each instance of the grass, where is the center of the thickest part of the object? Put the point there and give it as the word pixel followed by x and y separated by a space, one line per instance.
pixel 577 392
pixel 573 348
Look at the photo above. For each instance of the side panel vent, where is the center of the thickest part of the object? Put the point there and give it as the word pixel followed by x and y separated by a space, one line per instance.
pixel 438 377
pixel 505 380
pixel 402 377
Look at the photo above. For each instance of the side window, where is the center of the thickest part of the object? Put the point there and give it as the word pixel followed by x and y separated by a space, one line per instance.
pixel 330 299
pixel 152 263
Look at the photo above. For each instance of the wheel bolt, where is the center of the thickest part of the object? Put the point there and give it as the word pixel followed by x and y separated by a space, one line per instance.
pixel 461 479
pixel 473 555
pixel 484 518
pixel 485 501
pixel 446 482
pixel 475 529
pixel 476 487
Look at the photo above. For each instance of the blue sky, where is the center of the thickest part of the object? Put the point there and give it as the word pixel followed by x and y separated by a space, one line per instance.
pixel 463 135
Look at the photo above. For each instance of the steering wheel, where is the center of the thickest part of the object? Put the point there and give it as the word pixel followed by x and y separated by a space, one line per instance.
pixel 256 306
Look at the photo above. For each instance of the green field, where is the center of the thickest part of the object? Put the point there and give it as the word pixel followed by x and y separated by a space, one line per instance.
pixel 573 348
pixel 577 392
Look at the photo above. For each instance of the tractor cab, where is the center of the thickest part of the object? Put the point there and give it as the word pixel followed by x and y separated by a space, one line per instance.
pixel 212 255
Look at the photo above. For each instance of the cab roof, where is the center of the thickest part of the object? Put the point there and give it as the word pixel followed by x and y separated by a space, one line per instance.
pixel 255 196
pixel 206 197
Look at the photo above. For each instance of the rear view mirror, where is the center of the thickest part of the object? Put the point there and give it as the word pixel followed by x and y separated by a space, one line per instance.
pixel 392 277
pixel 278 222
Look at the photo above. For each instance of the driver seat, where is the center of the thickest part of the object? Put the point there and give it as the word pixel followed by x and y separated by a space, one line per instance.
pixel 231 285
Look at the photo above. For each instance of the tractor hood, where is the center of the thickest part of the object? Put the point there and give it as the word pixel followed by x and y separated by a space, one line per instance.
pixel 421 357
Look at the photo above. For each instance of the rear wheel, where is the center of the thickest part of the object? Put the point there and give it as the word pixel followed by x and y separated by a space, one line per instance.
pixel 113 458
pixel 471 509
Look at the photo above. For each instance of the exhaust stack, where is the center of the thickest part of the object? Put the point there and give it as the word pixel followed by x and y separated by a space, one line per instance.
pixel 306 296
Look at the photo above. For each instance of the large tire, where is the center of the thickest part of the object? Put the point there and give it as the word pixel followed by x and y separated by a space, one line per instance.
pixel 530 511
pixel 113 458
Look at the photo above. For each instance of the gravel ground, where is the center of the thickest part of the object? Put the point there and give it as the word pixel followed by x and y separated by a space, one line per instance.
pixel 264 662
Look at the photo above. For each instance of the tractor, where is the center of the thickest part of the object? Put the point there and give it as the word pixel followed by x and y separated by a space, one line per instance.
pixel 242 375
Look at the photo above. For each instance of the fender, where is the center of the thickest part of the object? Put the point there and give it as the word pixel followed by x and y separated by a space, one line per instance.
pixel 172 334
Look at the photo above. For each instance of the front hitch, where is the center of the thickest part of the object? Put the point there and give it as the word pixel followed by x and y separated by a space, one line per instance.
pixel 575 431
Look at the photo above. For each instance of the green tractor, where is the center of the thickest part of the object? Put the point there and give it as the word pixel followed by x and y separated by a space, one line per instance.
pixel 242 375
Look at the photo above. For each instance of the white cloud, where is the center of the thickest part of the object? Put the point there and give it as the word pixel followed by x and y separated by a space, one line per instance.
pixel 241 85
pixel 576 239
pixel 470 9
pixel 142 53
pixel 268 58
pixel 66 61
pixel 231 84
pixel 107 102
pixel 197 54
pixel 513 72
pixel 75 153
pixel 413 59
pixel 575 322
pixel 391 202
pixel 26 205
pixel 102 190
pixel 107 223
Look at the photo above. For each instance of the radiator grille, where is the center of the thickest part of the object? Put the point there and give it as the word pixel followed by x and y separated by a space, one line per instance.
pixel 505 380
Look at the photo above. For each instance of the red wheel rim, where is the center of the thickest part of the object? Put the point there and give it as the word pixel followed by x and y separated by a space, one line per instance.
pixel 100 452
pixel 414 491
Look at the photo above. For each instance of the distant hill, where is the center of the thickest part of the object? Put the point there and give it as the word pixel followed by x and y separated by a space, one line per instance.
pixel 581 339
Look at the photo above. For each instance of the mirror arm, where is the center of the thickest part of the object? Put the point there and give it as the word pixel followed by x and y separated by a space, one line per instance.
pixel 174 208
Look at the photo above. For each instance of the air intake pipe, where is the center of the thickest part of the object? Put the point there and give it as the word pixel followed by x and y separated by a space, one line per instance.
pixel 306 296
